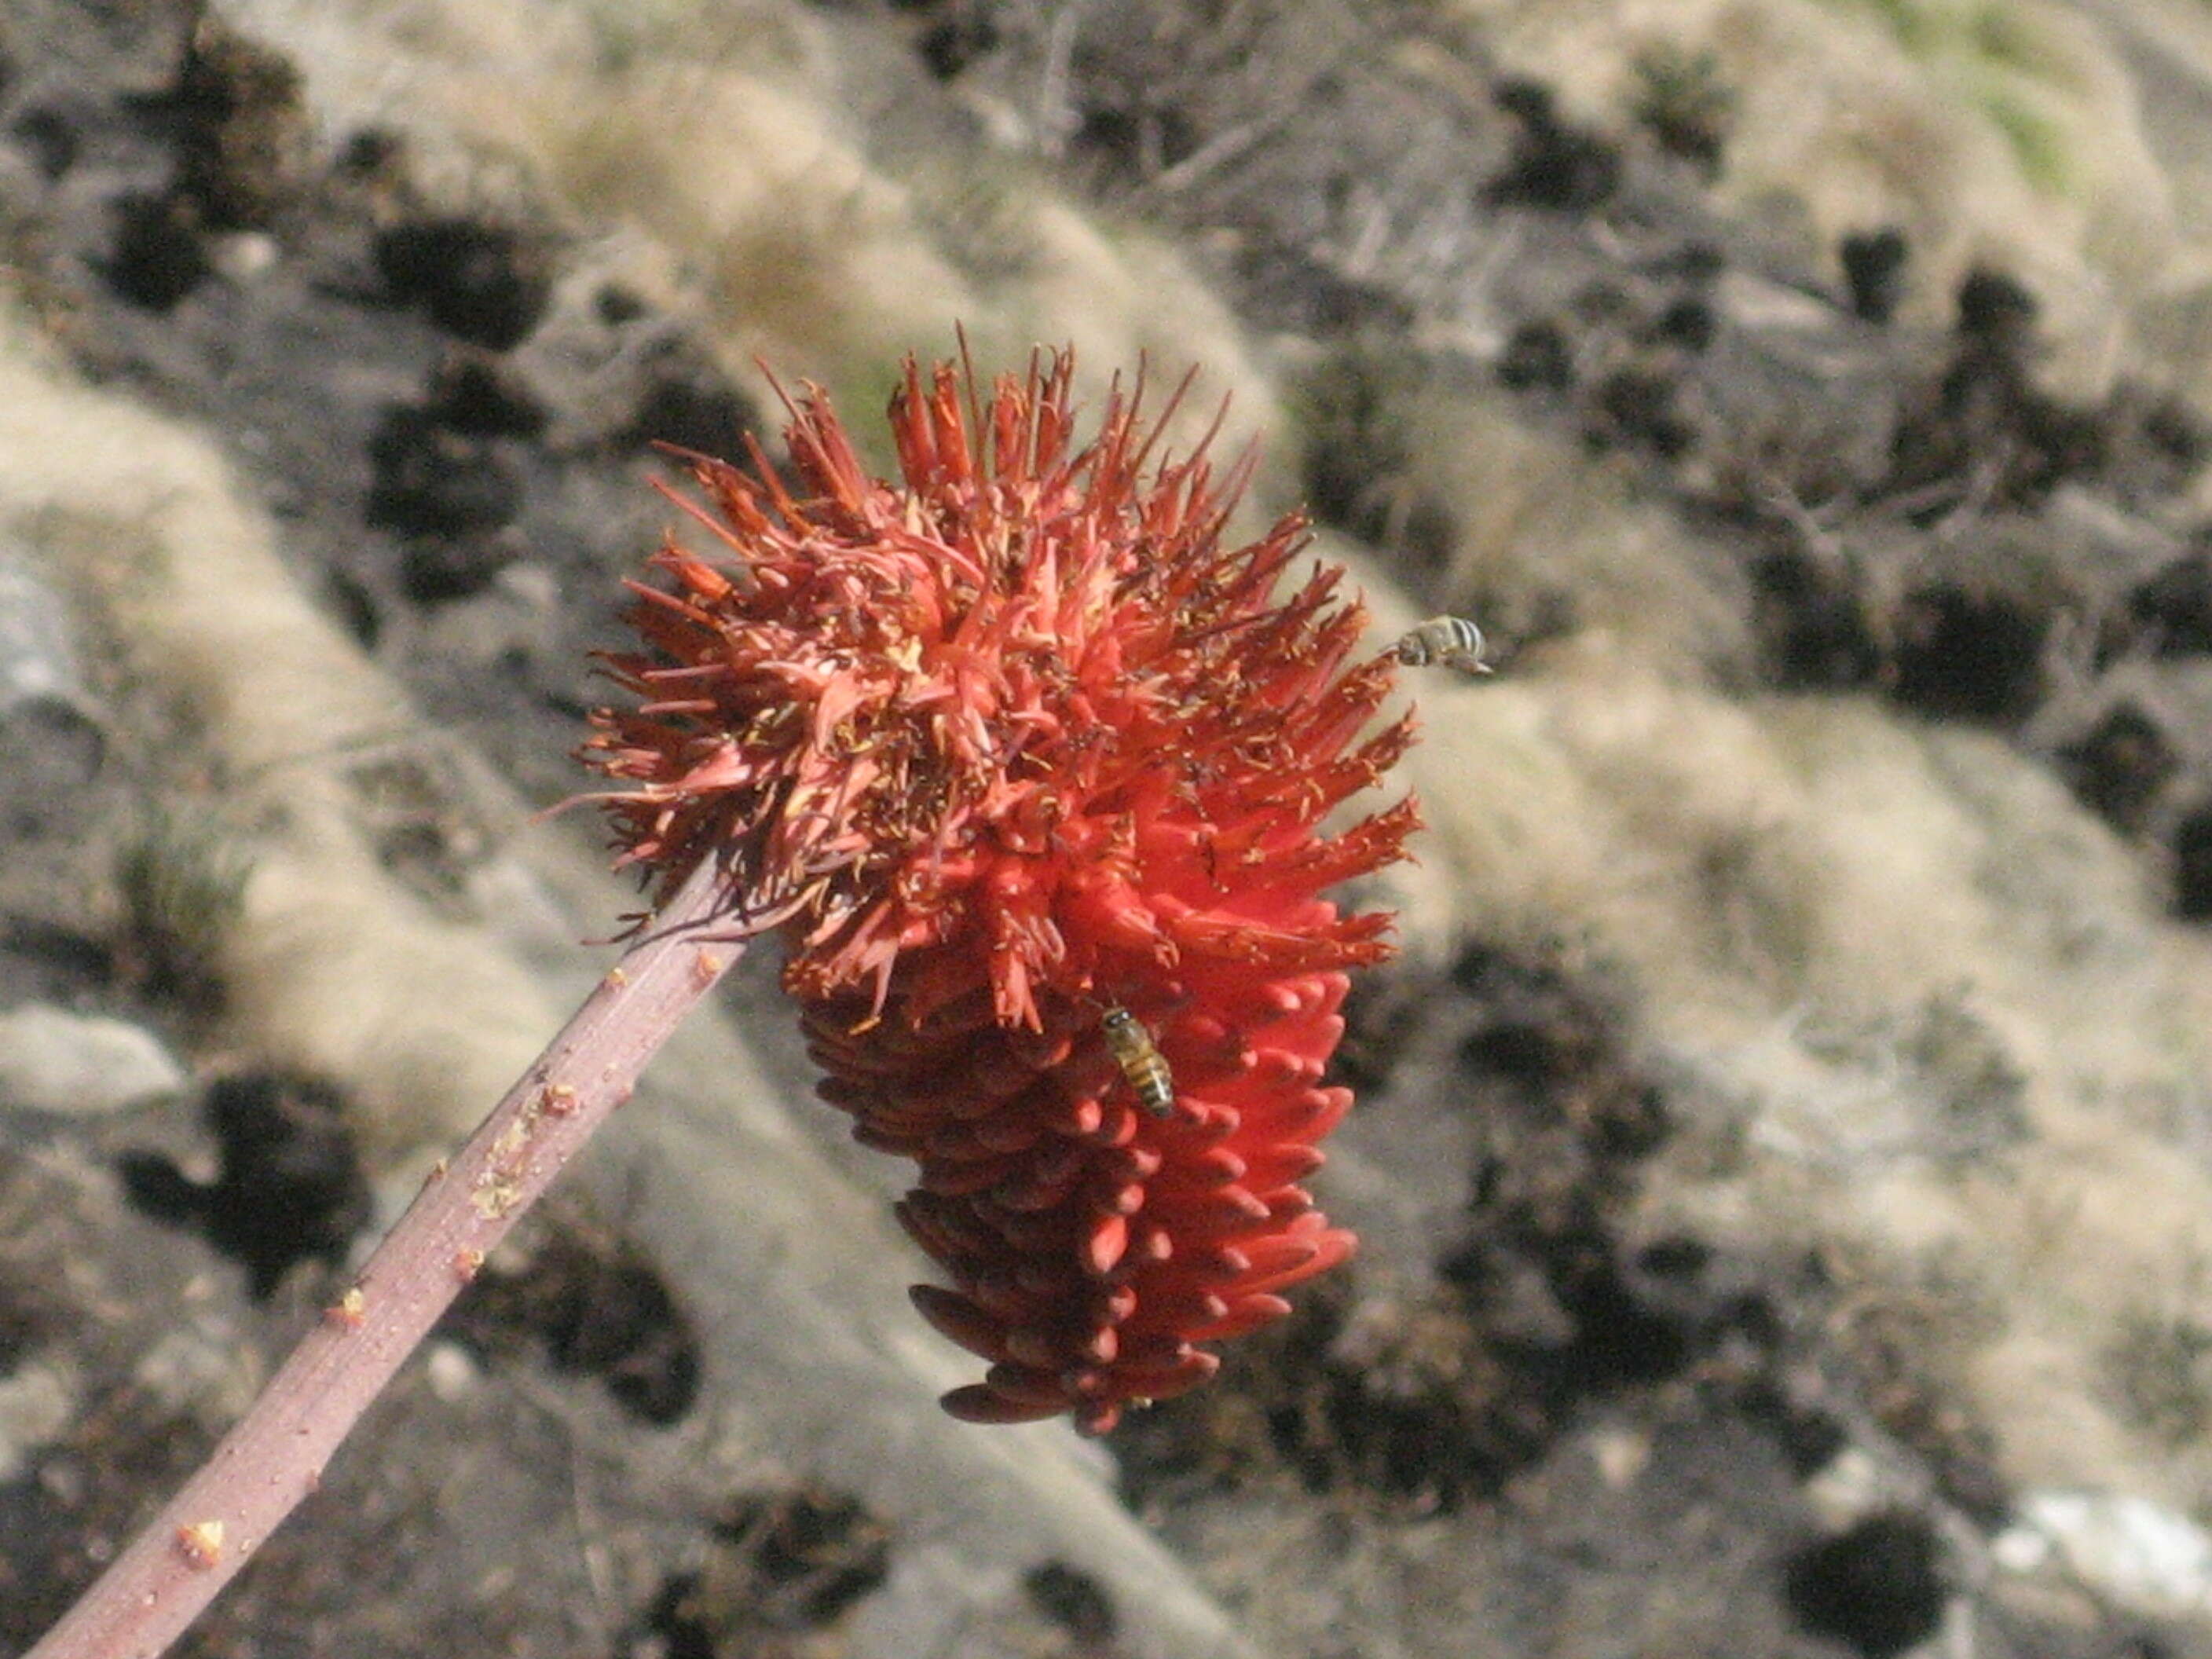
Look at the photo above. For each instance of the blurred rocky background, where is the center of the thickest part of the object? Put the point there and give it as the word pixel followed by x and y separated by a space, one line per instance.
pixel 1785 1155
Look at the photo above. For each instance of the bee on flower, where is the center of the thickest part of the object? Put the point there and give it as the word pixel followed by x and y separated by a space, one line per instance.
pixel 982 742
pixel 1143 1066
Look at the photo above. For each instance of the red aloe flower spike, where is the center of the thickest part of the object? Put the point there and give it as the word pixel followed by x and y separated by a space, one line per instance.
pixel 1003 747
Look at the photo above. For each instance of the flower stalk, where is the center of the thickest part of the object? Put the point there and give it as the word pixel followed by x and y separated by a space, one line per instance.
pixel 274 1457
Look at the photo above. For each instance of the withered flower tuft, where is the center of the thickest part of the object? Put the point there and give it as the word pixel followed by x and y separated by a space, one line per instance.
pixel 1028 770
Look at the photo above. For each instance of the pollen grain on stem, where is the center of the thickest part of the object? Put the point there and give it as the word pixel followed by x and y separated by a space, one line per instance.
pixel 200 1542
pixel 349 1312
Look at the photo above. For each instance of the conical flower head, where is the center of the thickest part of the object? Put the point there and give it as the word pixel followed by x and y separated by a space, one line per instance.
pixel 1029 769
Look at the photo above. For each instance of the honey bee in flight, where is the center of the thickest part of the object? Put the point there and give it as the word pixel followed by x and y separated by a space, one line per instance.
pixel 1452 641
pixel 1140 1061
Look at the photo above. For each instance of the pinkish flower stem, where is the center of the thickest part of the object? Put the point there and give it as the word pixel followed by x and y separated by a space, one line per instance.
pixel 276 1454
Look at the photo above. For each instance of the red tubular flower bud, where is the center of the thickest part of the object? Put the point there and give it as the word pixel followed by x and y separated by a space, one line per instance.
pixel 1028 768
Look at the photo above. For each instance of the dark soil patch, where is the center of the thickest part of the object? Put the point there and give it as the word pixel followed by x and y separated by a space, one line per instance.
pixel 779 1566
pixel 593 1304
pixel 1554 164
pixel 1877 1587
pixel 2120 764
pixel 289 1188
